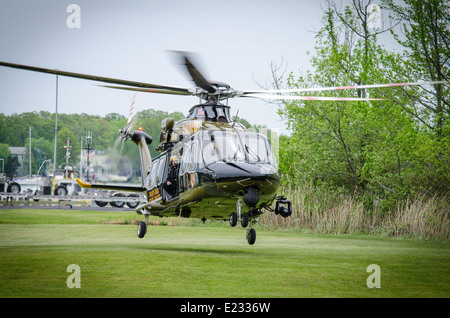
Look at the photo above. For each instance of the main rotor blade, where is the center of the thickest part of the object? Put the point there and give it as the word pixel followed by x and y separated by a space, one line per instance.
pixel 320 89
pixel 149 90
pixel 96 78
pixel 196 75
pixel 321 98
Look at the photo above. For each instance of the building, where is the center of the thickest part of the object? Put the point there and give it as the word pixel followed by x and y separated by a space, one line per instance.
pixel 20 152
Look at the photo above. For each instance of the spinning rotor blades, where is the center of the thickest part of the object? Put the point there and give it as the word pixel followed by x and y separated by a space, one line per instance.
pixel 320 98
pixel 150 90
pixel 131 122
pixel 196 75
pixel 132 116
pixel 336 88
pixel 216 91
pixel 97 78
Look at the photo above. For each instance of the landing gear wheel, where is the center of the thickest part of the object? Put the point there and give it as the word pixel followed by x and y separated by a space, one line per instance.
pixel 133 205
pixel 233 219
pixel 244 220
pixel 141 229
pixel 117 204
pixel 60 190
pixel 101 203
pixel 13 187
pixel 251 236
pixel 36 193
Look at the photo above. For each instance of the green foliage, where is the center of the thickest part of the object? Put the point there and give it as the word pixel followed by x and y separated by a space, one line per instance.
pixel 11 165
pixel 4 151
pixel 378 152
pixel 150 121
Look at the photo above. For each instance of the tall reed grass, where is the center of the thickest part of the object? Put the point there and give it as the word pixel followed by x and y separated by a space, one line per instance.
pixel 328 212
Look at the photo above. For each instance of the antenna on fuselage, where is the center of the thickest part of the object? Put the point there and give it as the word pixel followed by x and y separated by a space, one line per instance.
pixel 235 117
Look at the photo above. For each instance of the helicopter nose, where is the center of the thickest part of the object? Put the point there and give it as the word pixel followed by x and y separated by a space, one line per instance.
pixel 249 182
pixel 231 170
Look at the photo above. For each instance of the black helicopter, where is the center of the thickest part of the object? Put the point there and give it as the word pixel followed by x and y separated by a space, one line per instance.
pixel 210 167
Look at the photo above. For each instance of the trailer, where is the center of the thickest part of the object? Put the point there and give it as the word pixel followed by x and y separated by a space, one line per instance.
pixel 117 200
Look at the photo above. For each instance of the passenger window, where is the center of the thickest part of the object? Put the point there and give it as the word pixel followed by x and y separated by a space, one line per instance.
pixel 153 173
pixel 161 170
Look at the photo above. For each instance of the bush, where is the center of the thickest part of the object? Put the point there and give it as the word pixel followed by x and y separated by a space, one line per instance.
pixel 329 212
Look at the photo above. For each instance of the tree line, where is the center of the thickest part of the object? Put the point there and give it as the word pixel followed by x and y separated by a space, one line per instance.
pixel 14 132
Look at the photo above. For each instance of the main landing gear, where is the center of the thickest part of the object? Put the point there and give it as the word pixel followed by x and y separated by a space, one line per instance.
pixel 245 221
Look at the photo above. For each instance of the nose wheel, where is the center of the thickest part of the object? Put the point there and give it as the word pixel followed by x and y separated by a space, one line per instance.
pixel 245 221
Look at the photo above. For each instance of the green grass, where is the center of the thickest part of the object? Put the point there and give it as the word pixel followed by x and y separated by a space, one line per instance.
pixel 36 246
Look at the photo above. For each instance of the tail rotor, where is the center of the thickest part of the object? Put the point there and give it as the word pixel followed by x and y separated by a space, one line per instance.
pixel 125 132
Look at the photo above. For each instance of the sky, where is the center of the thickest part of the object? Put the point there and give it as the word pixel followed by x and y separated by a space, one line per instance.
pixel 235 40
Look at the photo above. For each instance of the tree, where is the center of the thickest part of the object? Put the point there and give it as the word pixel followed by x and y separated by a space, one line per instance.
pixel 361 24
pixel 335 137
pixel 4 151
pixel 41 150
pixel 426 39
pixel 11 165
pixel 372 149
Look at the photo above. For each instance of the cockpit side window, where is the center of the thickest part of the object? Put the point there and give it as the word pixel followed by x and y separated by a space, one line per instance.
pixel 210 113
pixel 153 174
pixel 222 114
pixel 200 112
pixel 161 170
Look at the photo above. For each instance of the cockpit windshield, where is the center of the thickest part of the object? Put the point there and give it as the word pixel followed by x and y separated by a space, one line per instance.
pixel 234 146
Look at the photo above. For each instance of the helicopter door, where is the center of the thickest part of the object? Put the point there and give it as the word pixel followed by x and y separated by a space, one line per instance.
pixel 165 170
pixel 153 189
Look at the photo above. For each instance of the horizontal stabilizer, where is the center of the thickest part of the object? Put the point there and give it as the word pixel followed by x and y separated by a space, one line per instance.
pixel 115 187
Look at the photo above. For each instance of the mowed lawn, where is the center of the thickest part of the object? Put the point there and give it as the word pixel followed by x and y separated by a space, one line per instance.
pixel 37 246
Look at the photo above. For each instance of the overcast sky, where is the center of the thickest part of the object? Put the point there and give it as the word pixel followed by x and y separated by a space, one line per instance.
pixel 236 41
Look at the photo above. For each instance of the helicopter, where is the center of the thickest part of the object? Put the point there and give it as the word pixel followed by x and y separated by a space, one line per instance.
pixel 219 169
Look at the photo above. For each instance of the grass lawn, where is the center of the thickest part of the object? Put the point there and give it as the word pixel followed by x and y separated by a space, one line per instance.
pixel 37 246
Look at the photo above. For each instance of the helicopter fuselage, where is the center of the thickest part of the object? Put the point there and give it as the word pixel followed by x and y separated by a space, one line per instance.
pixel 220 165
pixel 214 194
pixel 220 171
